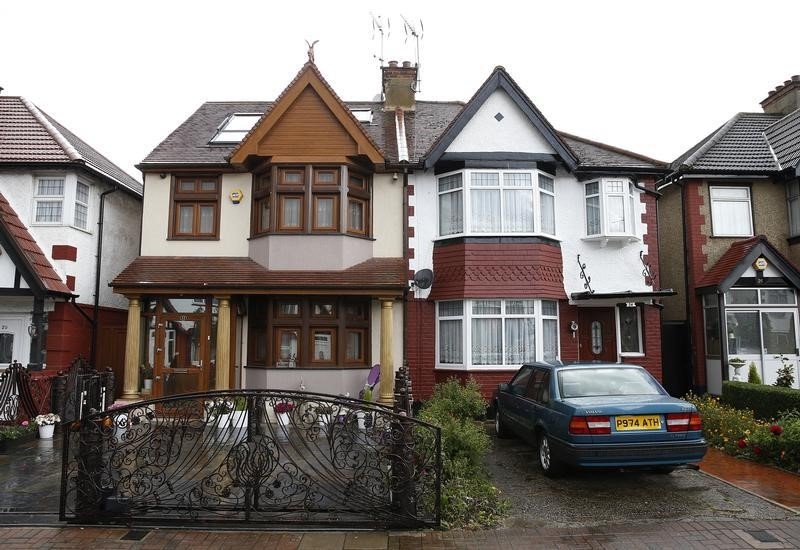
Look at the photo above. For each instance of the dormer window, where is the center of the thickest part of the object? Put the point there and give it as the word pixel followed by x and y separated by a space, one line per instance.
pixel 235 127
pixel 610 208
pixel 496 202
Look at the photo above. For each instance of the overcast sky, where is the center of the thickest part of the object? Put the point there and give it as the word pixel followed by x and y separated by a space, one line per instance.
pixel 654 76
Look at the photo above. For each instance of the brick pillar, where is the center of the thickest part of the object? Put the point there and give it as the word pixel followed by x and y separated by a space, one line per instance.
pixel 386 389
pixel 130 389
pixel 223 343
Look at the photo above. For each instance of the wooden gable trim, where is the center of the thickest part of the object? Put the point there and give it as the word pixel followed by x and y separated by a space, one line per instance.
pixel 308 76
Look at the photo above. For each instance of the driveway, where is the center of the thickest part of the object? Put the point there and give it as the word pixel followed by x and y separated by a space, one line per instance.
pixel 592 498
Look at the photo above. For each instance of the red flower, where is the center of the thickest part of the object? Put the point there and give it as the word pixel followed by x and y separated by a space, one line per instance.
pixel 757 449
pixel 776 429
pixel 741 443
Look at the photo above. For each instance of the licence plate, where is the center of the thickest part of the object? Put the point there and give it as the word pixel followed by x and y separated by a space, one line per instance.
pixel 638 422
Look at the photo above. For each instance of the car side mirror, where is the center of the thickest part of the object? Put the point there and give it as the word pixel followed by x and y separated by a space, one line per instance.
pixel 505 388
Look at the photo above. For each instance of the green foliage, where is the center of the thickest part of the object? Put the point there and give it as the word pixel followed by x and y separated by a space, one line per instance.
pixel 17 431
pixel 469 500
pixel 765 401
pixel 239 403
pixel 785 373
pixel 753 376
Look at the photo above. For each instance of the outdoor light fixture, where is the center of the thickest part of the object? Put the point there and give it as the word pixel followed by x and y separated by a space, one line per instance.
pixel 32 332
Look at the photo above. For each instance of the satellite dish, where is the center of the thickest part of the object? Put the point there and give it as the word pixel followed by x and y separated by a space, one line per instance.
pixel 423 278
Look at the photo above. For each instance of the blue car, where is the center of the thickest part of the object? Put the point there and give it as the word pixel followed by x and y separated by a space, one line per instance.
pixel 598 415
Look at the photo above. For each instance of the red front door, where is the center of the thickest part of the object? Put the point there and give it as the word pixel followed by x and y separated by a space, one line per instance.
pixel 597 336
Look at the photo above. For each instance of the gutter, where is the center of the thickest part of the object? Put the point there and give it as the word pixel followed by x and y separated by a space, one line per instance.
pixel 96 308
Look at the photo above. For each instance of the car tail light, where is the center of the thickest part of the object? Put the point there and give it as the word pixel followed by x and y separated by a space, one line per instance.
pixel 586 425
pixel 682 422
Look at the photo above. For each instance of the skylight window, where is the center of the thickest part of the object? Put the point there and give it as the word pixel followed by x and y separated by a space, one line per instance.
pixel 235 127
pixel 362 115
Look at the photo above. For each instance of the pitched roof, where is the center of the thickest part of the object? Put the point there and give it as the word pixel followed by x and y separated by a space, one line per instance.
pixel 737 146
pixel 242 272
pixel 784 140
pixel 36 263
pixel 595 154
pixel 500 79
pixel 30 136
pixel 739 256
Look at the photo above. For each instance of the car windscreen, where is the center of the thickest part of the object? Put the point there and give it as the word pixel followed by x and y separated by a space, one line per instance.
pixel 605 381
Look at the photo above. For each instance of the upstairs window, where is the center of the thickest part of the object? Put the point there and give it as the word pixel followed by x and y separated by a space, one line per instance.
pixel 195 208
pixel 81 217
pixel 235 127
pixel 49 200
pixel 610 206
pixel 731 214
pixel 496 202
pixel 793 201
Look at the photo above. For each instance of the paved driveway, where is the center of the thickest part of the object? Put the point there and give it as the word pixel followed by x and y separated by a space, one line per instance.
pixel 592 498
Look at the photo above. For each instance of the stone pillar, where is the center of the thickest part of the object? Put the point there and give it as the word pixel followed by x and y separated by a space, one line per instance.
pixel 130 389
pixel 223 342
pixel 386 389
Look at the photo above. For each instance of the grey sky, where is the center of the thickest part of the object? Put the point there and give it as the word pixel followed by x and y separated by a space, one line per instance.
pixel 651 76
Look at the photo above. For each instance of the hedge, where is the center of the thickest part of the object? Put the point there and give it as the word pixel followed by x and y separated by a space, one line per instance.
pixel 766 402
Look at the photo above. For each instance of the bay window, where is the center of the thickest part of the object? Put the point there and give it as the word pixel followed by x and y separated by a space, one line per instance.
pixel 81 215
pixel 496 333
pixel 496 202
pixel 610 206
pixel 731 215
pixel 49 200
pixel 793 201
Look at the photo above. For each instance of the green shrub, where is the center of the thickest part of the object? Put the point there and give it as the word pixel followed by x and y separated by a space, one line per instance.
pixel 463 401
pixel 753 376
pixel 17 431
pixel 785 373
pixel 471 503
pixel 766 402
pixel 463 442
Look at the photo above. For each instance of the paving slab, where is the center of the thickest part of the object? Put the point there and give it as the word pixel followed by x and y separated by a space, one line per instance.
pixel 366 541
pixel 322 541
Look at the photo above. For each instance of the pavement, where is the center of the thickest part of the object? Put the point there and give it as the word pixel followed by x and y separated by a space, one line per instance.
pixel 30 477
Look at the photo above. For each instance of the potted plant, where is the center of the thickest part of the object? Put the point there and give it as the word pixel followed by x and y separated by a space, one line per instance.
pixel 282 411
pixel 20 432
pixel 239 418
pixel 47 424
pixel 222 412
pixel 147 377
pixel 736 363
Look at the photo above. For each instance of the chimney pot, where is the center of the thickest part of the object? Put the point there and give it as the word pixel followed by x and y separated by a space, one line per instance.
pixel 784 99
pixel 393 63
pixel 407 64
pixel 787 82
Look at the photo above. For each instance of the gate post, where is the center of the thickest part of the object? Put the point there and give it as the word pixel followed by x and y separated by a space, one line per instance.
pixel 90 451
pixel 403 490
pixel 59 394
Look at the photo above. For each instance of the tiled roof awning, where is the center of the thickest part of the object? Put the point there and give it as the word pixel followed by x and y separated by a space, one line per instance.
pixel 242 275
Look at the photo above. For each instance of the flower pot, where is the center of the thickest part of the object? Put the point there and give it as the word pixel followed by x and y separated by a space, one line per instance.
pixel 239 419
pixel 360 417
pixel 223 419
pixel 148 385
pixel 283 419
pixel 46 432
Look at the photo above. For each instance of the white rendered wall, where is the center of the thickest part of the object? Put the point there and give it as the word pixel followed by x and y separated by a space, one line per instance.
pixel 387 216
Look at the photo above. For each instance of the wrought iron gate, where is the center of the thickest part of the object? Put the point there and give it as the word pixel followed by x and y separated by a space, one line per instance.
pixel 253 456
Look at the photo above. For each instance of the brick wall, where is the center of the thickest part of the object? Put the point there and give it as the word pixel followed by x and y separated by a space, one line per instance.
pixel 421 346
pixel 696 240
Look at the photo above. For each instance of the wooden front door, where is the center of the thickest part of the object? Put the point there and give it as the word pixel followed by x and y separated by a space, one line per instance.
pixel 597 334
pixel 182 354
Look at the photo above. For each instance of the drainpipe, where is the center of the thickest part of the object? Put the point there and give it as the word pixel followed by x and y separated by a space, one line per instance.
pixel 96 312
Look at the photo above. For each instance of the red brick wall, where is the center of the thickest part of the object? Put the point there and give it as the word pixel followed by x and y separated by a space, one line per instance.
pixel 421 346
pixel 69 333
pixel 497 270
pixel 695 207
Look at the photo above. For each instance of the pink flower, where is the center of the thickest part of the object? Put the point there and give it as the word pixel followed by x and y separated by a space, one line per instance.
pixel 24 423
pixel 741 443
pixel 776 429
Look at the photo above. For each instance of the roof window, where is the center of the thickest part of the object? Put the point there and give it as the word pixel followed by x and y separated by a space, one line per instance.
pixel 362 115
pixel 235 127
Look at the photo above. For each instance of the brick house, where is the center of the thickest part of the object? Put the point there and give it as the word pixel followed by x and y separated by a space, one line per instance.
pixel 70 219
pixel 732 205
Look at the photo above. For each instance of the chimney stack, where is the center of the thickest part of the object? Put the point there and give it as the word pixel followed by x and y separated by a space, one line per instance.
pixel 784 99
pixel 399 86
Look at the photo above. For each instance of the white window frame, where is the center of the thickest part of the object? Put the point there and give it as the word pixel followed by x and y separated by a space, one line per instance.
pixel 713 201
pixel 226 135
pixel 793 206
pixel 40 198
pixel 640 352
pixel 467 189
pixel 466 332
pixel 630 196
pixel 84 204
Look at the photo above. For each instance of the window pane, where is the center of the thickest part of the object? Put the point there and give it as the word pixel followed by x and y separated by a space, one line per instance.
pixel 616 214
pixel 484 179
pixel 517 180
pixel 186 185
pixel 487 341
pixel 487 307
pixel 592 215
pixel 82 193
pixel 323 310
pixel 324 212
pixel 325 177
pixel 206 219
pixel 185 219
pixel 777 296
pixel 730 211
pixel 546 183
pixel 711 315
pixel 549 307
pixel 778 329
pixel 520 341
pixel 486 211
pixel 291 212
pixel 53 187
pixel 323 345
pixel 450 341
pixel 614 187
pixel 48 211
pixel 549 339
pixel 450 182
pixel 451 309
pixel 357 181
pixel 743 334
pixel 740 193
pixel 794 217
pixel 6 347
pixel 747 296
pixel 451 213
pixel 81 216
pixel 355 345
pixel 548 206
pixel 208 186
pixel 289 309
pixel 520 383
pixel 592 188
pixel 287 348
pixel 264 214
pixel 518 211
pixel 629 330
pixel 520 307
pixel 355 215
pixel 293 176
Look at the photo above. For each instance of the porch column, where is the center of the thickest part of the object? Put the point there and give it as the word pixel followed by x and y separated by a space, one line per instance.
pixel 386 389
pixel 223 342
pixel 130 388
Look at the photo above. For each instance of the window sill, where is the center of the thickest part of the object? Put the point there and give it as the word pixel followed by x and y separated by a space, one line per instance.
pixel 605 239
pixel 192 238
pixel 310 234
pixel 81 229
pixel 496 235
pixel 732 236
pixel 632 354
pixel 478 368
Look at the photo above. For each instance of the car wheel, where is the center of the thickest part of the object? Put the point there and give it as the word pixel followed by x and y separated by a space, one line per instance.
pixel 499 426
pixel 549 465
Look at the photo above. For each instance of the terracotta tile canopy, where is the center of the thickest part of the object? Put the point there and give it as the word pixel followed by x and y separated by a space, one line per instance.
pixel 158 274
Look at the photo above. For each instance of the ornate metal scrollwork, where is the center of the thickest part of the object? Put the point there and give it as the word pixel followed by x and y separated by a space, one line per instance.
pixel 584 276
pixel 649 278
pixel 265 457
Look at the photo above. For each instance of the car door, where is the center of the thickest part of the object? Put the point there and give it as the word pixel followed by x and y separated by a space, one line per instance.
pixel 546 416
pixel 529 405
pixel 512 402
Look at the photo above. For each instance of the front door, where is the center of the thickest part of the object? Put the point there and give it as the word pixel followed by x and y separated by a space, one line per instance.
pixel 597 335
pixel 182 354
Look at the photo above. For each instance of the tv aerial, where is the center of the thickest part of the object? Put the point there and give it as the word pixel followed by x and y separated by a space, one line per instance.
pixel 416 32
pixel 385 31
